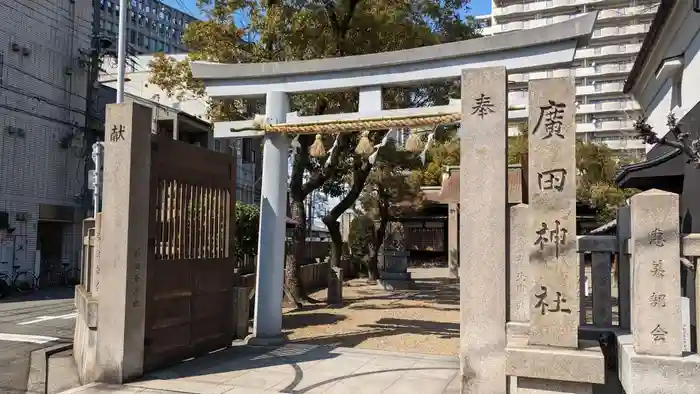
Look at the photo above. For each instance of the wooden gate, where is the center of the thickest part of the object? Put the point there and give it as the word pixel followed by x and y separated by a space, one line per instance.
pixel 191 260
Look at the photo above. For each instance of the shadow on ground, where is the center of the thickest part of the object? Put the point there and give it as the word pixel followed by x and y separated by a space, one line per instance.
pixel 247 358
pixel 51 293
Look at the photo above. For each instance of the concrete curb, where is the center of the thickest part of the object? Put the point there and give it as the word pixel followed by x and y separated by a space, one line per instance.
pixel 37 370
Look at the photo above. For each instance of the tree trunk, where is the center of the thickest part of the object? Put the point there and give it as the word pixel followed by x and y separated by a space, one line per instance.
pixel 373 263
pixel 292 270
pixel 336 240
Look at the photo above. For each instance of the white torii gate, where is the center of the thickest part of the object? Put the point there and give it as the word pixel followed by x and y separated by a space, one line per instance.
pixel 549 46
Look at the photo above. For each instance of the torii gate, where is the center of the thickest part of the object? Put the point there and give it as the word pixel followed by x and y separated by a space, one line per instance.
pixel 483 334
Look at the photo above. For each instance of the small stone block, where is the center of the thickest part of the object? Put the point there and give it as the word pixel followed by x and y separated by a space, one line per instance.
pixel 542 386
pixel 392 284
pixel 585 365
pixel 241 311
pixel 335 286
pixel 642 374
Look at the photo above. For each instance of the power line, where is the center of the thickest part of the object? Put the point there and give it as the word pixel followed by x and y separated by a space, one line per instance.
pixel 39 98
pixel 19 70
pixel 24 111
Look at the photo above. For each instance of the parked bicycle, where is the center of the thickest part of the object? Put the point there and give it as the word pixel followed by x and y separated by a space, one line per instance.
pixel 20 281
pixel 67 276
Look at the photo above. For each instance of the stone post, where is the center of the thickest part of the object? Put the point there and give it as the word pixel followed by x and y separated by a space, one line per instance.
pixel 269 281
pixel 483 228
pixel 453 240
pixel 624 275
pixel 124 243
pixel 554 262
pixel 552 361
pixel 656 298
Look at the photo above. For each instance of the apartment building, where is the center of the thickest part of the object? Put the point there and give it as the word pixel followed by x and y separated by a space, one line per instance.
pixel 604 113
pixel 248 150
pixel 151 25
pixel 42 87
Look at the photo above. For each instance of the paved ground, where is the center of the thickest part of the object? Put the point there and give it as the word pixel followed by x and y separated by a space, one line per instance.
pixel 299 369
pixel 422 320
pixel 29 323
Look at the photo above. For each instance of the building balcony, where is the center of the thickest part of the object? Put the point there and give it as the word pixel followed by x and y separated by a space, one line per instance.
pixel 607 50
pixel 580 72
pixel 626 12
pixel 605 126
pixel 518 112
pixel 516 9
pixel 609 106
pixel 621 143
pixel 519 97
pixel 619 31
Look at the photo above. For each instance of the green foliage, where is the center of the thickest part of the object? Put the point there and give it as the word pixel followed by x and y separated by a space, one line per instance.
pixel 247 223
pixel 596 165
pixel 389 190
pixel 361 235
pixel 443 153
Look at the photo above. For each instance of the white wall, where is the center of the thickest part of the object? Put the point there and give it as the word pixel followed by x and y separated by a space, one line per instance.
pixel 42 92
pixel 681 36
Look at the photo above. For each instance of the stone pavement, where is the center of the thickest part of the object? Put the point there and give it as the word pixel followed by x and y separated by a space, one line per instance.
pixel 298 369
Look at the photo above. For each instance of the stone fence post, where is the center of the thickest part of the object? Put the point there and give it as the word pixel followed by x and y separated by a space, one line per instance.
pixel 656 297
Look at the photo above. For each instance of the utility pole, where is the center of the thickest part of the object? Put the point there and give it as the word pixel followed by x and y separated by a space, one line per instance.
pixel 93 75
pixel 121 54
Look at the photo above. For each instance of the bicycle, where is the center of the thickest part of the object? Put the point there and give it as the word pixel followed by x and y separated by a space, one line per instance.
pixel 21 281
pixel 64 277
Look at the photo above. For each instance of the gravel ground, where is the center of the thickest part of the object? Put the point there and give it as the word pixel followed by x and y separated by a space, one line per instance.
pixel 424 320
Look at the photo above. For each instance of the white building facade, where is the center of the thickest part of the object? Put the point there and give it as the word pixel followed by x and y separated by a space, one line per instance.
pixel 604 114
pixel 42 107
pixel 667 78
pixel 248 151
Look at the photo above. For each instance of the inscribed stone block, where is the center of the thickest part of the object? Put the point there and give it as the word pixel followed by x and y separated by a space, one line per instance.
pixel 656 298
pixel 519 291
pixel 554 266
pixel 124 247
pixel 483 231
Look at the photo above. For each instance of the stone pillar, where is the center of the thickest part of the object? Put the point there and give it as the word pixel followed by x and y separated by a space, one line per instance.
pixel 269 282
pixel 124 243
pixel 551 361
pixel 656 298
pixel 453 240
pixel 624 275
pixel 554 262
pixel 482 235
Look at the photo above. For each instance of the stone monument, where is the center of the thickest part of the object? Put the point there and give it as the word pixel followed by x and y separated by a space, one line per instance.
pixel 552 360
pixel 655 346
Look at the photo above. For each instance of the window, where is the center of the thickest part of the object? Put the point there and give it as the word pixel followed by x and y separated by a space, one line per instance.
pixel 139 40
pixel 132 37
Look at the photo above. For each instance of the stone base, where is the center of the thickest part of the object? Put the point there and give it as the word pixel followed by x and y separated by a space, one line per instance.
pixel 656 374
pixel 542 386
pixel 394 284
pixel 395 275
pixel 252 340
pixel 583 365
pixel 241 312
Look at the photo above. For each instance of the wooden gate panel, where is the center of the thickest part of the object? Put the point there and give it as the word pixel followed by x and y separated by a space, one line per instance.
pixel 191 262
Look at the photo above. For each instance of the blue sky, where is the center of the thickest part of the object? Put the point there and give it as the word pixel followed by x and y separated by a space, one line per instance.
pixel 478 7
